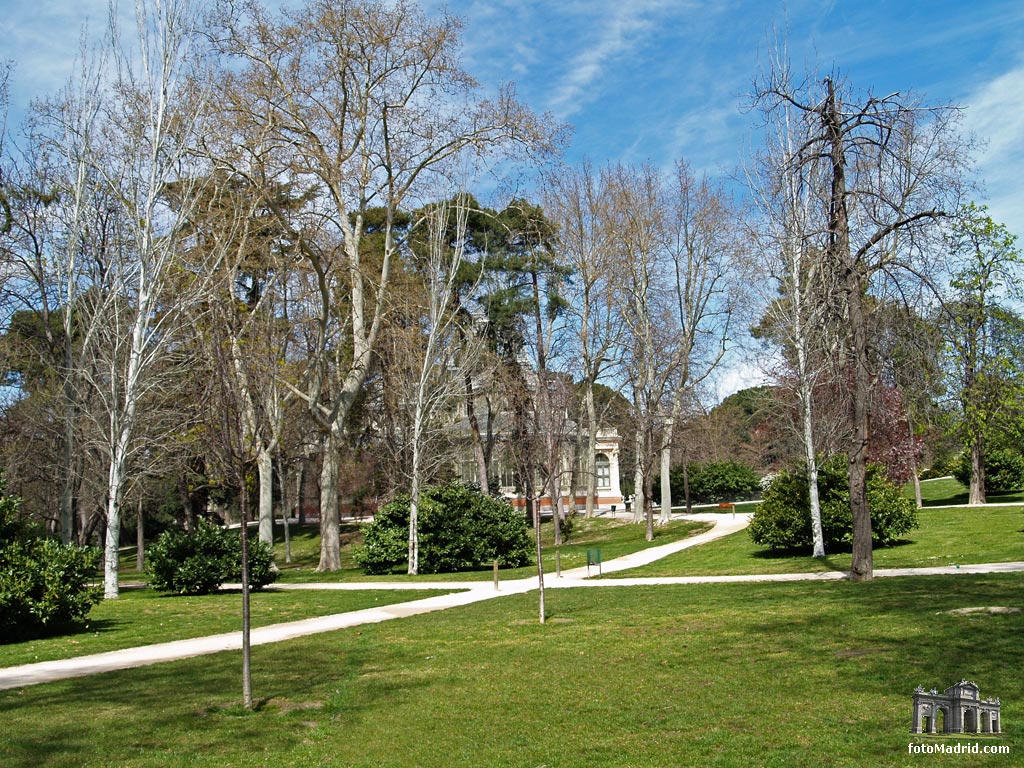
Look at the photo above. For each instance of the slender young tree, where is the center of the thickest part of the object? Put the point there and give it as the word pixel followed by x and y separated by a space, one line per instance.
pixel 148 125
pixel 784 233
pixel 436 368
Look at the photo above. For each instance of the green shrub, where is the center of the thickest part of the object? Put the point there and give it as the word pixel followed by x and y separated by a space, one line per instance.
pixel 1004 470
pixel 45 586
pixel 715 482
pixel 459 529
pixel 198 562
pixel 783 519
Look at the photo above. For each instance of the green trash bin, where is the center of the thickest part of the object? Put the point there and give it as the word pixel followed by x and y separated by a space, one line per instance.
pixel 594 558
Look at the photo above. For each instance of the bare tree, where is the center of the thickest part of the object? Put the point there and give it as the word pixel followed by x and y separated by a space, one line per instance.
pixel 58 218
pixel 364 103
pixel 889 169
pixel 433 354
pixel 652 356
pixel 794 308
pixel 148 124
pixel 578 201
pixel 700 240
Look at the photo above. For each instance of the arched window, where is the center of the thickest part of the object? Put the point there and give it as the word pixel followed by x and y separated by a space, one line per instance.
pixel 603 468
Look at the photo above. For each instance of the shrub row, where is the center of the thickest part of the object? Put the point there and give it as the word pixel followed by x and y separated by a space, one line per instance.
pixel 715 482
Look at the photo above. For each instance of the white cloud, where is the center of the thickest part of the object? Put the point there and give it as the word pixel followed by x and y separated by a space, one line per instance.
pixel 995 113
pixel 736 375
pixel 617 29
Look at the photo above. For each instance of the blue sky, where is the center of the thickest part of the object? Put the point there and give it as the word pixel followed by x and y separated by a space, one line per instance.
pixel 658 80
pixel 655 80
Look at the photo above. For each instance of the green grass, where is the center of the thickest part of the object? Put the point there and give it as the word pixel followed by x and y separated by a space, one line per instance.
pixel 946 536
pixel 143 617
pixel 614 537
pixel 787 675
pixel 947 490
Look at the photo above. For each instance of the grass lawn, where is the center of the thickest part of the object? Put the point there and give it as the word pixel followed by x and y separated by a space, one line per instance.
pixel 144 617
pixel 948 490
pixel 788 675
pixel 614 537
pixel 946 536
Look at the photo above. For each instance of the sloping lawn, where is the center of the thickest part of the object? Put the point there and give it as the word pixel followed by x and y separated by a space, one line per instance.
pixel 946 536
pixel 769 675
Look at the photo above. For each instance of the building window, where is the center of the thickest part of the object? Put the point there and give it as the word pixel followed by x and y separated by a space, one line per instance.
pixel 604 471
pixel 507 476
pixel 468 472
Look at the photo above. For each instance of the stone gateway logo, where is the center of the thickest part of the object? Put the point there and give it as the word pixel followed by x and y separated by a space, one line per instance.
pixel 959 709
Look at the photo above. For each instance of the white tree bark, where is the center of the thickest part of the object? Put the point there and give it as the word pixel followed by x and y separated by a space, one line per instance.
pixel 265 468
pixel 666 484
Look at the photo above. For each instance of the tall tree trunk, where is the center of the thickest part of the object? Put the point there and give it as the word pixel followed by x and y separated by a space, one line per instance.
pixel 666 483
pixel 913 462
pixel 686 487
pixel 591 457
pixel 330 521
pixel 115 491
pixel 246 619
pixel 414 491
pixel 534 503
pixel 810 456
pixel 862 565
pixel 557 508
pixel 854 288
pixel 300 484
pixel 574 478
pixel 649 506
pixel 112 542
pixel 414 528
pixel 977 488
pixel 67 491
pixel 265 466
pixel 140 538
pixel 477 442
pixel 638 478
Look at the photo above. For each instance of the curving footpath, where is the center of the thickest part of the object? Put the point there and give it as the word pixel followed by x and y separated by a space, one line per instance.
pixel 469 592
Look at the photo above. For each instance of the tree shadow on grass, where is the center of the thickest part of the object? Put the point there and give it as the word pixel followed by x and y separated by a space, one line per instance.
pixel 193 706
pixel 887 636
pixel 70 630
